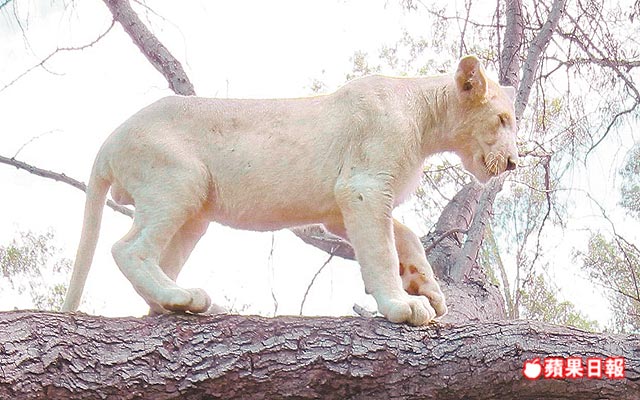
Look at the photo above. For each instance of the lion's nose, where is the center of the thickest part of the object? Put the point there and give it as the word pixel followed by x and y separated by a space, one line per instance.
pixel 511 164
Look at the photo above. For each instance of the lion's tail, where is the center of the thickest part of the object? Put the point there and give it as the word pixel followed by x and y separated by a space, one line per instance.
pixel 94 204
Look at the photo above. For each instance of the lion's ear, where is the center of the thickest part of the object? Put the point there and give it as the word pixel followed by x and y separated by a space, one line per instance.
pixel 510 91
pixel 471 80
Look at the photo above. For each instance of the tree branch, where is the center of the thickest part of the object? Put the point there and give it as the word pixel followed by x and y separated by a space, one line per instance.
pixel 313 280
pixel 514 30
pixel 482 215
pixel 537 47
pixel 60 177
pixel 74 356
pixel 435 241
pixel 455 217
pixel 157 54
pixel 317 236
pixel 42 62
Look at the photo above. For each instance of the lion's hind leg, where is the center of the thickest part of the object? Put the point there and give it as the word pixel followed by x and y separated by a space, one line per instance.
pixel 177 252
pixel 162 209
pixel 175 255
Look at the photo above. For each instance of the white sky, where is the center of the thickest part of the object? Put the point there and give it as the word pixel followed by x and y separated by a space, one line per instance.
pixel 251 49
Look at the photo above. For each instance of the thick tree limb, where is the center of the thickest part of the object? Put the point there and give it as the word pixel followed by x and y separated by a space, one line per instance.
pixel 157 54
pixel 475 234
pixel 536 49
pixel 58 356
pixel 455 217
pixel 514 31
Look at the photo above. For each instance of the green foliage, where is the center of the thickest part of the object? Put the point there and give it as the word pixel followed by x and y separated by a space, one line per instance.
pixel 630 189
pixel 361 66
pixel 32 266
pixel 615 265
pixel 539 302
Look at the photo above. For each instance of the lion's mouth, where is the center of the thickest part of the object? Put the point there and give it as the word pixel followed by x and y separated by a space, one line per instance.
pixel 494 163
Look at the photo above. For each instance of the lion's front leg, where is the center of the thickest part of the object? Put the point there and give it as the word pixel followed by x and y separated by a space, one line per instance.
pixel 366 206
pixel 416 273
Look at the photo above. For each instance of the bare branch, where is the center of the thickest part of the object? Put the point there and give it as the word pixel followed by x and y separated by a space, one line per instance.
pixel 463 46
pixel 56 176
pixel 458 18
pixel 32 140
pixel 619 238
pixel 611 125
pixel 363 312
pixel 271 269
pixel 304 298
pixel 601 57
pixel 434 242
pixel 42 62
pixel 547 184
pixel 512 311
pixel 631 267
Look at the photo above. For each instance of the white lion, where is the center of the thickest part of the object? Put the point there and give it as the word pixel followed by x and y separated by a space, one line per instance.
pixel 344 160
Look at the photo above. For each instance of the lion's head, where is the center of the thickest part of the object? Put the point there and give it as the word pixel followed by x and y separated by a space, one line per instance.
pixel 485 127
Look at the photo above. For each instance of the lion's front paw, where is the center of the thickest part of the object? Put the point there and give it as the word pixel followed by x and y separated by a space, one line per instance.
pixel 436 298
pixel 415 282
pixel 414 310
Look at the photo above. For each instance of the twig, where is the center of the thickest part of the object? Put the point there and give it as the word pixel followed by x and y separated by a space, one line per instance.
pixel 619 238
pixel 547 185
pixel 270 264
pixel 42 62
pixel 32 140
pixel 304 299
pixel 363 312
pixel 610 126
pixel 463 46
pixel 440 238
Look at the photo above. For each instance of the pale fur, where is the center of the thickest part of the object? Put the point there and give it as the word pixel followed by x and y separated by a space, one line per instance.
pixel 343 160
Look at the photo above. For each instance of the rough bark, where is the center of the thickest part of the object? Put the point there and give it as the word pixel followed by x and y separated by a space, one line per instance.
pixel 467 259
pixel 473 299
pixel 455 217
pixel 513 35
pixel 317 236
pixel 58 356
pixel 149 45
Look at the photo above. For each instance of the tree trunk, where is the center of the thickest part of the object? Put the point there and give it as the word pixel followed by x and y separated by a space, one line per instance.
pixel 74 356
